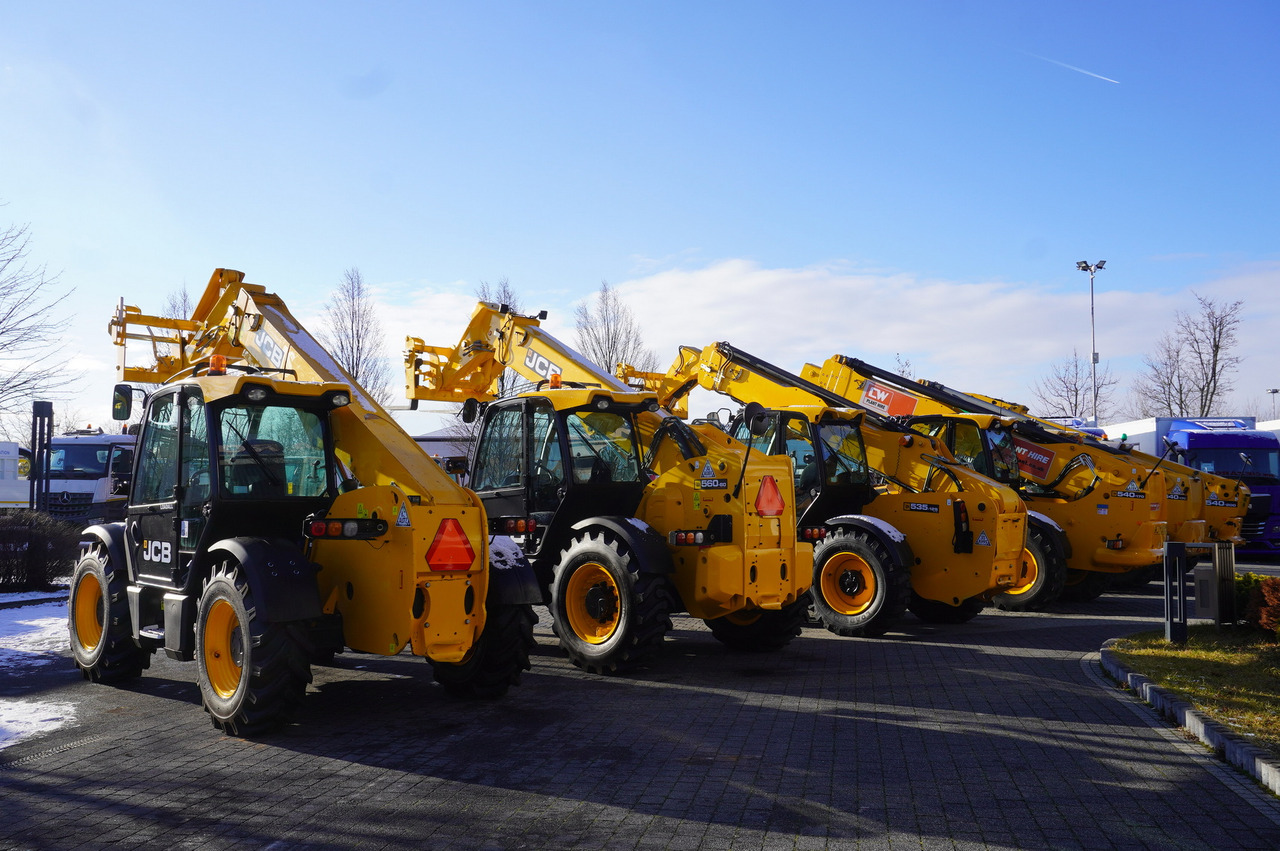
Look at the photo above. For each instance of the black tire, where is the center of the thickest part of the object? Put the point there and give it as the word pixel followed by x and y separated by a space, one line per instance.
pixel 98 621
pixel 933 611
pixel 609 616
pixel 758 630
pixel 1085 585
pixel 496 659
pixel 252 673
pixel 858 587
pixel 1136 581
pixel 1044 560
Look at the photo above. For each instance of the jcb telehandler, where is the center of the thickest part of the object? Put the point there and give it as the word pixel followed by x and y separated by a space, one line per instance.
pixel 1097 512
pixel 627 513
pixel 897 523
pixel 278 514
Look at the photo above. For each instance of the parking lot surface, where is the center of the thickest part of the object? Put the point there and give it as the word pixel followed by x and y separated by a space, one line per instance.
pixel 996 734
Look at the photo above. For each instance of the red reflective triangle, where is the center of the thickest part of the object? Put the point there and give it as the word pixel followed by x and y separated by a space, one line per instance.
pixel 450 550
pixel 769 500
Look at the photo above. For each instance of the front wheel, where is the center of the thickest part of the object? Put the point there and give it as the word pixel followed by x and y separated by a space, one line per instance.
pixel 608 615
pixel 1045 566
pixel 98 621
pixel 858 588
pixel 933 611
pixel 252 673
pixel 496 659
pixel 759 629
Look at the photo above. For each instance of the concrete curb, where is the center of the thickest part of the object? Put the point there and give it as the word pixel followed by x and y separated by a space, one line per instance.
pixel 1229 746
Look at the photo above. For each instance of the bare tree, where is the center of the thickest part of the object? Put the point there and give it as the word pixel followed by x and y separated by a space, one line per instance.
pixel 1190 373
pixel 179 304
pixel 608 333
pixel 30 364
pixel 1067 391
pixel 903 366
pixel 352 331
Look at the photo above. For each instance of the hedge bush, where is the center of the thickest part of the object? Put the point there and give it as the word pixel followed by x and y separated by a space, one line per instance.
pixel 36 550
pixel 1258 597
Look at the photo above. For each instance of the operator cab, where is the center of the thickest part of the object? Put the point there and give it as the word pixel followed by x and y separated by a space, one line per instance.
pixel 225 458
pixel 989 451
pixel 828 460
pixel 585 455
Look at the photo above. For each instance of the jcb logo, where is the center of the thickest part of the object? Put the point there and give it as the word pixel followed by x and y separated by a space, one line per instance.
pixel 541 365
pixel 157 551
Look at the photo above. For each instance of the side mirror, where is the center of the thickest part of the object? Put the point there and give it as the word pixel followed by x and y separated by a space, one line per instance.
pixel 122 402
pixel 756 418
pixel 471 409
pixel 456 466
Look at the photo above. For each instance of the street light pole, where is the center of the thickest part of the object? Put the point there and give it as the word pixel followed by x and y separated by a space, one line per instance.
pixel 1085 266
pixel 1273 393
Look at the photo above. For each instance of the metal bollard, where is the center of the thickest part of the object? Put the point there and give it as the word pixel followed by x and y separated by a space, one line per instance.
pixel 1175 592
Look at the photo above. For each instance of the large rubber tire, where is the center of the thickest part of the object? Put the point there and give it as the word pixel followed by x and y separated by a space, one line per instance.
pixel 98 621
pixel 252 673
pixel 757 630
pixel 495 661
pixel 1045 564
pixel 1085 585
pixel 858 588
pixel 608 615
pixel 933 611
pixel 1136 581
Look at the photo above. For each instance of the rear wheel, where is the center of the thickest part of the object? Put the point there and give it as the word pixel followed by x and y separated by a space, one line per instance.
pixel 1085 585
pixel 858 589
pixel 252 673
pixel 933 611
pixel 1044 565
pixel 98 621
pixel 496 659
pixel 608 615
pixel 761 629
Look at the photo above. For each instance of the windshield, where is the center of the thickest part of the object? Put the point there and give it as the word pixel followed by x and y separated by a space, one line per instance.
pixel 602 448
pixel 846 462
pixel 80 460
pixel 1004 456
pixel 1236 462
pixel 271 451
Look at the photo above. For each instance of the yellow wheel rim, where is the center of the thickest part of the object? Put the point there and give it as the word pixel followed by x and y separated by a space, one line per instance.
pixel 223 648
pixel 87 614
pixel 848 584
pixel 593 603
pixel 1030 573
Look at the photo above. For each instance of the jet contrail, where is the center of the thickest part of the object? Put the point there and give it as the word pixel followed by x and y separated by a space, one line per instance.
pixel 1073 68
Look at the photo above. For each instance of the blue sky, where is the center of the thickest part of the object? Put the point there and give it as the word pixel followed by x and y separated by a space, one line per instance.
pixel 799 178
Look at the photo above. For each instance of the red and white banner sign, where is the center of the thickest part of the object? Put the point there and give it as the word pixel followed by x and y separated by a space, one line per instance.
pixel 886 401
pixel 1033 460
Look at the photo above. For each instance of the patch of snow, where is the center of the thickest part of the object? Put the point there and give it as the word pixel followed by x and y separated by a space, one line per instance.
pixel 21 719
pixel 1045 519
pixel 504 553
pixel 32 636
pixel 641 525
pixel 888 529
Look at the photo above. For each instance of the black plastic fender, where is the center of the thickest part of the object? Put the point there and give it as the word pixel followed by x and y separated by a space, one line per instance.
pixel 511 576
pixel 886 533
pixel 111 536
pixel 283 581
pixel 1052 531
pixel 650 547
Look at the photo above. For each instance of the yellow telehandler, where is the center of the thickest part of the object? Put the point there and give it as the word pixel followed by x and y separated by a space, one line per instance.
pixel 897 523
pixel 278 514
pixel 627 513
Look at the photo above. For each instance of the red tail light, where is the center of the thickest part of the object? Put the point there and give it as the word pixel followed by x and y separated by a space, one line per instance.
pixel 450 550
pixel 769 500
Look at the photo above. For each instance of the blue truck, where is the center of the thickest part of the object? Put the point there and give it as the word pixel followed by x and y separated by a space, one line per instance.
pixel 1225 446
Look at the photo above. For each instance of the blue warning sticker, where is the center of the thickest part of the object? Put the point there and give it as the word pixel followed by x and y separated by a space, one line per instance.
pixel 983 540
pixel 403 518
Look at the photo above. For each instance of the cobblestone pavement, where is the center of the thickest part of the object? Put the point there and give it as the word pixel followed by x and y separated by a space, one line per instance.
pixel 1000 733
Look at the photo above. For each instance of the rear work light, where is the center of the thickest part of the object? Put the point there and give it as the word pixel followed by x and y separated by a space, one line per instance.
pixel 718 531
pixel 450 550
pixel 346 528
pixel 512 525
pixel 813 533
pixel 769 502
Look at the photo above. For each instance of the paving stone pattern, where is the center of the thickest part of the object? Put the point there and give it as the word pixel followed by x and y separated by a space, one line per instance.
pixel 996 734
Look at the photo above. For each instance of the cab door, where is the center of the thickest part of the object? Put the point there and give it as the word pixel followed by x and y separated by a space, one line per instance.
pixel 151 521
